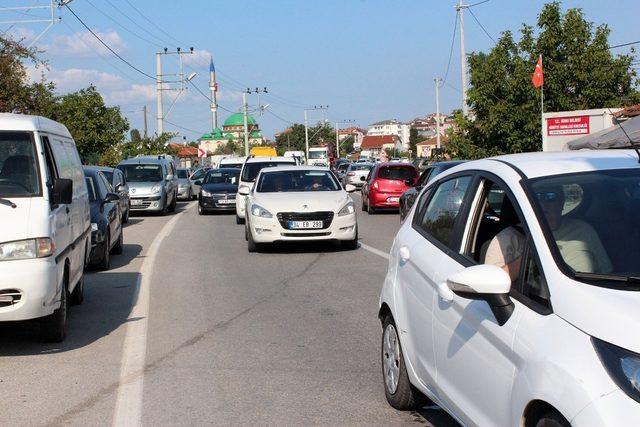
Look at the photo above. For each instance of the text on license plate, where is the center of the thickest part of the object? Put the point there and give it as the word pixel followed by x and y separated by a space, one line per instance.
pixel 226 201
pixel 304 224
pixel 393 199
pixel 135 202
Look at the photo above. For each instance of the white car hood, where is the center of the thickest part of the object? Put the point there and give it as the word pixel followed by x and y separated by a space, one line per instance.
pixel 608 314
pixel 296 202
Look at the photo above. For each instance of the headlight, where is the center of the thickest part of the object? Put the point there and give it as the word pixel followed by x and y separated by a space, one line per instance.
pixel 348 209
pixel 257 210
pixel 622 365
pixel 156 189
pixel 206 193
pixel 94 226
pixel 26 249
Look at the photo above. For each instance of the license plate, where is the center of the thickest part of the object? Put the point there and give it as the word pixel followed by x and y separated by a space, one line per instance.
pixel 135 202
pixel 225 201
pixel 393 199
pixel 304 224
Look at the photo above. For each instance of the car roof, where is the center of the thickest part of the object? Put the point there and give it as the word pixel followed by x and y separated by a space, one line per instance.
pixel 233 159
pixel 271 159
pixel 91 170
pixel 25 122
pixel 224 170
pixel 143 161
pixel 538 164
pixel 294 168
pixel 101 168
pixel 395 164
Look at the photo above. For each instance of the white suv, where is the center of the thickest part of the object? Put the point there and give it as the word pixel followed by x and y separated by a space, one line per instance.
pixel 252 166
pixel 513 290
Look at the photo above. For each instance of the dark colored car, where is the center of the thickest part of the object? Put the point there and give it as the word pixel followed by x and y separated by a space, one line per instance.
pixel 106 219
pixel 385 184
pixel 120 187
pixel 409 197
pixel 218 190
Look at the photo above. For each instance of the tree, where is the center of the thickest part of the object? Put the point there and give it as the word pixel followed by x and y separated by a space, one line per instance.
pixel 231 147
pixel 580 73
pixel 414 138
pixel 293 138
pixel 346 145
pixel 94 126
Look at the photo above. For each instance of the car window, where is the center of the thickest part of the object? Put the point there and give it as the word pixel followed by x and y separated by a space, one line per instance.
pixel 142 173
pixel 424 178
pixel 399 173
pixel 441 213
pixel 251 170
pixel 106 183
pixel 91 189
pixel 182 173
pixel 534 285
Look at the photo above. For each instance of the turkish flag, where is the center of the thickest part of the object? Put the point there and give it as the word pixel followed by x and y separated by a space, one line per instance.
pixel 538 75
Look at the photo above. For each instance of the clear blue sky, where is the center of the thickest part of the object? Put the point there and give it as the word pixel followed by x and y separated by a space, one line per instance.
pixel 367 59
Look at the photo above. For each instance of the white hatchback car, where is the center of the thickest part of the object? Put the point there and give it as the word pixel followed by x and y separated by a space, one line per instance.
pixel 513 292
pixel 299 203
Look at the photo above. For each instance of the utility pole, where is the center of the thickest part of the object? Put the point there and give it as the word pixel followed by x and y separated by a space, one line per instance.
pixel 344 122
pixel 34 6
pixel 144 112
pixel 245 111
pixel 306 125
pixel 463 57
pixel 160 82
pixel 438 82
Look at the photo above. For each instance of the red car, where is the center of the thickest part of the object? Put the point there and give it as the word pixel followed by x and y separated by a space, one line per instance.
pixel 385 184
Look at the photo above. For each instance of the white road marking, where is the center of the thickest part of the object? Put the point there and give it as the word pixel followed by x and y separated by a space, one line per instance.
pixel 374 251
pixel 128 411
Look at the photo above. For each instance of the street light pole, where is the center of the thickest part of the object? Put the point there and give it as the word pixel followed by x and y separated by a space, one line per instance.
pixel 463 58
pixel 245 111
pixel 437 81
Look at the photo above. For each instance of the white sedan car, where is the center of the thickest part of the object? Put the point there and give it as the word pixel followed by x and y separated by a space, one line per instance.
pixel 298 203
pixel 513 290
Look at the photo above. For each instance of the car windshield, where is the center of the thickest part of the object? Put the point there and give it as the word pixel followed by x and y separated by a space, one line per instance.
pixel 591 220
pixel 198 174
pixel 360 167
pixel 397 173
pixel 91 187
pixel 221 177
pixel 296 181
pixel 18 165
pixel 182 173
pixel 251 170
pixel 318 154
pixel 231 165
pixel 108 175
pixel 343 166
pixel 141 173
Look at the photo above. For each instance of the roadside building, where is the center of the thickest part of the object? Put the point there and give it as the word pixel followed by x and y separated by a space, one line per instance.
pixel 426 148
pixel 187 155
pixel 232 130
pixel 355 132
pixel 374 145
pixel 391 127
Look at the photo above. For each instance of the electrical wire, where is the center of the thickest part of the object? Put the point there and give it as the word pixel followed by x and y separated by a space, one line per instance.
pixel 205 96
pixel 624 44
pixel 184 128
pixel 153 23
pixel 134 22
pixel 475 18
pixel 278 117
pixel 453 41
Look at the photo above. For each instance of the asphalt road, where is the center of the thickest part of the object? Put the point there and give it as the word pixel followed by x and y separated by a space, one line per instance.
pixel 188 328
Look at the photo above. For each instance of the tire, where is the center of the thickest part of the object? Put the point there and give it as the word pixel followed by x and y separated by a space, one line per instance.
pixel 105 262
pixel 165 208
pixel 351 244
pixel 364 208
pixel 239 220
pixel 118 248
pixel 246 233
pixel 172 206
pixel 125 216
pixel 552 419
pixel 200 210
pixel 252 246
pixel 77 296
pixel 53 327
pixel 370 209
pixel 404 396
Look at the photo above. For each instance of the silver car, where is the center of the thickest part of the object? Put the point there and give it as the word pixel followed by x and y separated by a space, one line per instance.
pixel 152 183
pixel 355 172
pixel 185 191
pixel 198 175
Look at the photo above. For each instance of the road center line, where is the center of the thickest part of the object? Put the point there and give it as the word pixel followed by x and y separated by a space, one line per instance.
pixel 128 410
pixel 374 251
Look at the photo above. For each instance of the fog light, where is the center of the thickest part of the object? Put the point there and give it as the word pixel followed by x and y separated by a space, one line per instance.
pixel 349 228
pixel 262 230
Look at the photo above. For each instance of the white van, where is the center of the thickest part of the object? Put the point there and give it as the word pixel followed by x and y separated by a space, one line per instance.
pixel 232 162
pixel 45 226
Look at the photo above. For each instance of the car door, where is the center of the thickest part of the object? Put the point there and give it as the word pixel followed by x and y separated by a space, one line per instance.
pixel 475 362
pixel 365 186
pixel 111 209
pixel 120 189
pixel 424 249
pixel 59 166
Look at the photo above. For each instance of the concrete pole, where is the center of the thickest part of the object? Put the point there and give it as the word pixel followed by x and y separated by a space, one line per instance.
pixel 337 142
pixel 437 81
pixel 245 110
pixel 306 135
pixel 144 111
pixel 160 113
pixel 463 60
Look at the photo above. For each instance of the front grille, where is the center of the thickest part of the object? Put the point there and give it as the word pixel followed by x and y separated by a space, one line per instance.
pixel 146 202
pixel 9 297
pixel 325 216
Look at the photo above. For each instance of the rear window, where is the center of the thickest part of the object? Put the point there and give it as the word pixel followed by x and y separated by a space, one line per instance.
pixel 360 167
pixel 141 173
pixel 397 173
pixel 18 165
pixel 251 170
pixel 182 173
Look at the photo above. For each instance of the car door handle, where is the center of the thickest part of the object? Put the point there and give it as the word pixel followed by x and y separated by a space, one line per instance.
pixel 444 291
pixel 404 254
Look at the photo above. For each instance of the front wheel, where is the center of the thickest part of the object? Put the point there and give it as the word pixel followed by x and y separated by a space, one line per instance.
pixel 400 393
pixel 172 206
pixel 77 296
pixel 252 246
pixel 53 327
pixel 118 248
pixel 239 220
pixel 552 419
pixel 105 263
pixel 125 216
pixel 351 244
pixel 370 209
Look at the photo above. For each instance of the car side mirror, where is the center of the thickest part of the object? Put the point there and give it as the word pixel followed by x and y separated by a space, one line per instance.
pixel 62 191
pixel 363 178
pixel 349 188
pixel 198 182
pixel 111 197
pixel 244 190
pixel 120 188
pixel 169 177
pixel 483 282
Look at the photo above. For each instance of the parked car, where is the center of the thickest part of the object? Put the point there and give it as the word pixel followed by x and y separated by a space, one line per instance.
pixel 120 187
pixel 107 234
pixel 409 196
pixel 152 184
pixel 355 172
pixel 341 170
pixel 232 162
pixel 252 166
pixel 44 223
pixel 198 175
pixel 385 184
pixel 299 203
pixel 218 190
pixel 185 192
pixel 512 292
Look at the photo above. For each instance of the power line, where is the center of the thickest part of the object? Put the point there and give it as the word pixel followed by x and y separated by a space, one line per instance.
pixel 475 18
pixel 278 117
pixel 476 4
pixel 107 46
pixel 134 22
pixel 154 24
pixel 453 41
pixel 624 44
pixel 184 128
pixel 205 96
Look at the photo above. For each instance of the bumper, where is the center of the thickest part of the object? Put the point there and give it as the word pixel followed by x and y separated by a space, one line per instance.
pixel 613 409
pixel 385 200
pixel 36 280
pixel 183 193
pixel 269 230
pixel 240 206
pixel 211 203
pixel 149 204
pixel 355 181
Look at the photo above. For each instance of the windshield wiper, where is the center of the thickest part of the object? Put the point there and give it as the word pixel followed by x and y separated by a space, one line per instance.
pixel 613 277
pixel 7 202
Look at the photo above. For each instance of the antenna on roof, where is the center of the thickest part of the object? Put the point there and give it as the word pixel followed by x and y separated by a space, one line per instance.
pixel 633 144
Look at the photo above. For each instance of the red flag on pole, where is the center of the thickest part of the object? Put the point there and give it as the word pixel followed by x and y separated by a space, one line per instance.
pixel 538 75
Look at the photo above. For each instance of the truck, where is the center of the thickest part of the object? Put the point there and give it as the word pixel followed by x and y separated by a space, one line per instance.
pixel 263 151
pixel 321 156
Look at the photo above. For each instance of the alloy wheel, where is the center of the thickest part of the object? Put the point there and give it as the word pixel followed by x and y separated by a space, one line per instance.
pixel 391 358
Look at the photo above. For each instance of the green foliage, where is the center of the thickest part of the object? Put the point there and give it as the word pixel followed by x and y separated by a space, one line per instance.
pixel 414 138
pixel 293 139
pixel 231 147
pixel 580 72
pixel 346 145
